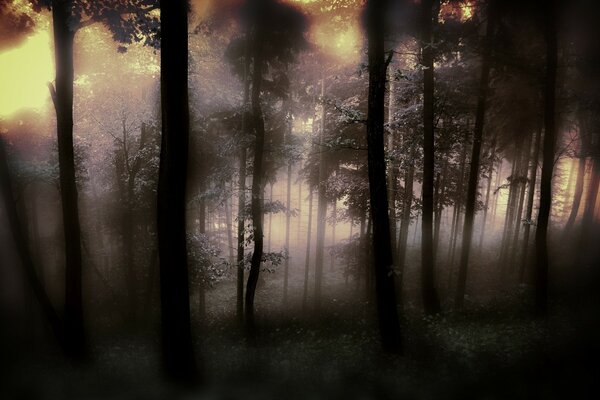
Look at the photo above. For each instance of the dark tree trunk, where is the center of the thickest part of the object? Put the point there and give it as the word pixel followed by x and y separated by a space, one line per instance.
pixel 177 350
pixel 392 170
pixel 242 194
pixel 518 218
pixel 257 178
pixel 287 231
pixel 270 219
pixel 389 325
pixel 128 239
pixel 510 209
pixel 541 234
pixel 496 196
pixel 307 257
pixel 530 199
pixel 229 224
pixel 404 225
pixel 63 103
pixel 439 208
pixel 486 64
pixel 487 196
pixel 321 208
pixel 431 301
pixel 458 206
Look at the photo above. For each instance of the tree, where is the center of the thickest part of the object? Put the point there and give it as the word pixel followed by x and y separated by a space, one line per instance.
pixel 431 300
pixel 389 326
pixel 475 156
pixel 126 19
pixel 177 350
pixel 541 234
pixel 274 34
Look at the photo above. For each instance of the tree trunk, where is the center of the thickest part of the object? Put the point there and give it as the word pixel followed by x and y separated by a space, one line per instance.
pixel 270 219
pixel 389 326
pixel 242 194
pixel 431 301
pixel 404 225
pixel 287 231
pixel 321 208
pixel 530 199
pixel 541 234
pixel 257 178
pixel 333 226
pixel 487 196
pixel 63 103
pixel 128 240
pixel 307 257
pixel 177 349
pixel 486 64
pixel 438 210
pixel 518 218
pixel 392 169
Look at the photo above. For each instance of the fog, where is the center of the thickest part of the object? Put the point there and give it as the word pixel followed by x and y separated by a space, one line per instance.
pixel 299 199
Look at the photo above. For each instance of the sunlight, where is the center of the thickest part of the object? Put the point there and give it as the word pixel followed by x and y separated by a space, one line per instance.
pixel 24 74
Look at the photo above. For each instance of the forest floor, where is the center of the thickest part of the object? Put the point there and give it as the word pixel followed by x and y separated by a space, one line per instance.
pixel 493 349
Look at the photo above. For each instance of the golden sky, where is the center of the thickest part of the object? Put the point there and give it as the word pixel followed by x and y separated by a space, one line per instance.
pixel 26 69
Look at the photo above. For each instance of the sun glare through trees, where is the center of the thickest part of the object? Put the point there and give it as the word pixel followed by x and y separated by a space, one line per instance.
pixel 299 199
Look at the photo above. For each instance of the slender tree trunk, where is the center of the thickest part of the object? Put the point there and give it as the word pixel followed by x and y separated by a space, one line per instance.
pixel 431 301
pixel 518 219
pixel 389 325
pixel 486 65
pixel 177 349
pixel 270 220
pixel 404 225
pixel 321 207
pixel 487 196
pixel 392 168
pixel 129 252
pixel 307 256
pixel 333 227
pixel 63 103
pixel 240 259
pixel 439 209
pixel 530 199
pixel 510 210
pixel 229 224
pixel 496 192
pixel 541 234
pixel 287 231
pixel 257 177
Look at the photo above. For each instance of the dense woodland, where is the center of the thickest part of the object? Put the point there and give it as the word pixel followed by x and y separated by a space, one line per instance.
pixel 301 199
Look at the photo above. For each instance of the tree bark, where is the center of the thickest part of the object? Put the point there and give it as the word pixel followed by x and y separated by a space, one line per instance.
pixel 431 301
pixel 321 207
pixel 389 326
pixel 240 259
pixel 541 234
pixel 307 256
pixel 257 178
pixel 63 103
pixel 177 349
pixel 530 200
pixel 486 65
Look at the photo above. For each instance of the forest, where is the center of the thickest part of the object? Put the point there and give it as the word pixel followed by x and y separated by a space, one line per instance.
pixel 299 199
